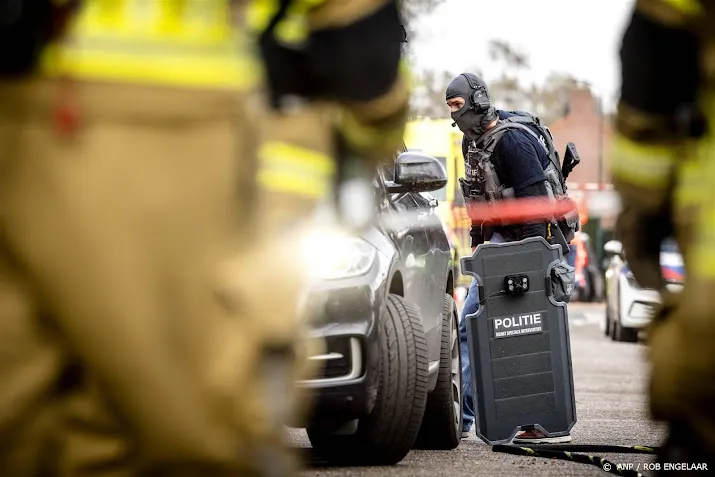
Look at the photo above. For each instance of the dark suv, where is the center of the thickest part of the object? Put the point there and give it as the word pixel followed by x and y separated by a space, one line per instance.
pixel 391 376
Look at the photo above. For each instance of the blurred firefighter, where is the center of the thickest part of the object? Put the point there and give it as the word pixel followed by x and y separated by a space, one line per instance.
pixel 130 176
pixel 664 170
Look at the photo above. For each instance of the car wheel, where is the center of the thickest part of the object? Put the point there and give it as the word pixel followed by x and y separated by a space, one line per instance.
pixel 618 332
pixel 621 333
pixel 389 432
pixel 442 423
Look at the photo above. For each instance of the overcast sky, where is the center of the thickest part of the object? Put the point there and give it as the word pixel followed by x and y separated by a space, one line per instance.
pixel 575 36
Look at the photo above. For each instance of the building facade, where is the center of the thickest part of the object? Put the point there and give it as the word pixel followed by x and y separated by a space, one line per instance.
pixel 591 132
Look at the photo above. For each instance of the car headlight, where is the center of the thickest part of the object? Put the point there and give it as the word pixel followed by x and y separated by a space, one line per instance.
pixel 331 255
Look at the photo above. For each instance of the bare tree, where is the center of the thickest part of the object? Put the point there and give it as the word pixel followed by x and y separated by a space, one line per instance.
pixel 512 59
pixel 413 8
pixel 428 98
pixel 507 88
pixel 548 100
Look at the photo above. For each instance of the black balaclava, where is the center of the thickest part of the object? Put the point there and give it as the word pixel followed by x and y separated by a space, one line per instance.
pixel 474 118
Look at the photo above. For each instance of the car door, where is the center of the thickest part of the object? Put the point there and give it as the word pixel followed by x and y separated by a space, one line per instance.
pixel 436 263
pixel 413 247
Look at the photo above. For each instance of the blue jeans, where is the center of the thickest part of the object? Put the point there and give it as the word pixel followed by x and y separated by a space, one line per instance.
pixel 571 257
pixel 471 306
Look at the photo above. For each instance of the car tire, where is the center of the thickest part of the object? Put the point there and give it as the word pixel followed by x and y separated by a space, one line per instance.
pixel 623 334
pixel 386 435
pixel 442 423
pixel 617 331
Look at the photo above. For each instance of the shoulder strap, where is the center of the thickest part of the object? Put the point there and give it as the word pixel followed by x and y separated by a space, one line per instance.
pixel 518 122
pixel 529 119
pixel 489 139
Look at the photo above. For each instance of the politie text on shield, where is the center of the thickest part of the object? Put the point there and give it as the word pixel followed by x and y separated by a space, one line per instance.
pixel 518 325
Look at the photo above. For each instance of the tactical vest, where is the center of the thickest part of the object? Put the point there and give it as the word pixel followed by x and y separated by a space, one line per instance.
pixel 485 183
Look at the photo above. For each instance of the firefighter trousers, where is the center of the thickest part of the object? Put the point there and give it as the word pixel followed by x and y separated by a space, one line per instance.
pixel 128 342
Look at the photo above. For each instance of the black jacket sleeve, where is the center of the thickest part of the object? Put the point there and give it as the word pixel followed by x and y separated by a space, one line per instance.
pixel 536 228
pixel 519 166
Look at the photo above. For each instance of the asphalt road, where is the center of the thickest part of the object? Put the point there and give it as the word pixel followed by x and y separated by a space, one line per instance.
pixel 610 380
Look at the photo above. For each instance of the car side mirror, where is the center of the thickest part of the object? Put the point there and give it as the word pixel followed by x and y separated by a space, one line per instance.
pixel 415 172
pixel 613 248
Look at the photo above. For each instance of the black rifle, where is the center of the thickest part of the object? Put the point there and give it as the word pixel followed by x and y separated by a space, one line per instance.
pixel 571 160
pixel 558 238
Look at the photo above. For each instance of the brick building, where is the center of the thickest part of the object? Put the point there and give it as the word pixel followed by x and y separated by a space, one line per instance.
pixel 591 133
pixel 584 126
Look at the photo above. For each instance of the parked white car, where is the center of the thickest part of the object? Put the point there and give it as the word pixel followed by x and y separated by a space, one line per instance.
pixel 630 307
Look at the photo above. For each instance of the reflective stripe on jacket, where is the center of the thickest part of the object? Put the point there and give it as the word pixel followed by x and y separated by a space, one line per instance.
pixel 191 43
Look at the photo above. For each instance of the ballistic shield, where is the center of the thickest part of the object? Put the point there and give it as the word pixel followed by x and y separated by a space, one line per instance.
pixel 519 342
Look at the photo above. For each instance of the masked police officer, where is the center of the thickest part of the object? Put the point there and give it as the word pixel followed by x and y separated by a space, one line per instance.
pixel 133 339
pixel 664 170
pixel 519 159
